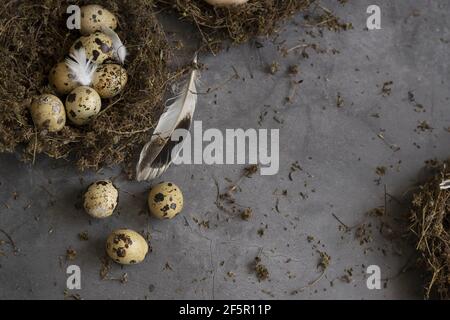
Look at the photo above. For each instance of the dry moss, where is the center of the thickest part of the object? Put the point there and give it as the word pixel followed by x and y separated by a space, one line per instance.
pixel 34 37
pixel 430 218
pixel 255 18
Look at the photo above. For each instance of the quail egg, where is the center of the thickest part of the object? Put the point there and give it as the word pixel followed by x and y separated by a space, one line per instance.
pixel 100 199
pixel 47 112
pixel 109 80
pixel 82 104
pixel 226 3
pixel 98 46
pixel 165 200
pixel 61 79
pixel 126 246
pixel 93 17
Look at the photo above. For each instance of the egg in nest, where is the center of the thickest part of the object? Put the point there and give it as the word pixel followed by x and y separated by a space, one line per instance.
pixel 98 47
pixel 94 17
pixel 126 246
pixel 62 79
pixel 109 80
pixel 82 104
pixel 47 112
pixel 100 199
pixel 165 200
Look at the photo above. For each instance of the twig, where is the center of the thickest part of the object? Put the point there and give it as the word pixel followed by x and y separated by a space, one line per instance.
pixel 339 220
pixel 11 241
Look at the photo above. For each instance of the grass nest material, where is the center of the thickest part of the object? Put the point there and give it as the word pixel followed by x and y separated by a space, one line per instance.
pixel 34 37
pixel 430 218
pixel 243 22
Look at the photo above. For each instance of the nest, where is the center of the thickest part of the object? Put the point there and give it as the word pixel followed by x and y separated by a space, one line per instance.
pixel 431 226
pixel 34 37
pixel 241 23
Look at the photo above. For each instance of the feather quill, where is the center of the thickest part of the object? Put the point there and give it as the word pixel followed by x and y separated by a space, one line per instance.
pixel 119 49
pixel 81 67
pixel 157 155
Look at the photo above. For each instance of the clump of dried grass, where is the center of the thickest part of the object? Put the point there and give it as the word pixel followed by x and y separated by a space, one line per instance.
pixel 243 22
pixel 430 217
pixel 34 37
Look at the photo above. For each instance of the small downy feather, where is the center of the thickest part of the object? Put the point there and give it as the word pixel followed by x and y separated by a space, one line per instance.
pixel 157 155
pixel 119 49
pixel 80 67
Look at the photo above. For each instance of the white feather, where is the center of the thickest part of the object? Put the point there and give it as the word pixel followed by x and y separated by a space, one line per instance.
pixel 119 49
pixel 157 155
pixel 80 67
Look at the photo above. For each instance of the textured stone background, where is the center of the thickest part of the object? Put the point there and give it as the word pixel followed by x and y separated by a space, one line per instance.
pixel 337 148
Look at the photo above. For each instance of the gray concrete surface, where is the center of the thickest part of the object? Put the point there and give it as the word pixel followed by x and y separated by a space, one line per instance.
pixel 338 149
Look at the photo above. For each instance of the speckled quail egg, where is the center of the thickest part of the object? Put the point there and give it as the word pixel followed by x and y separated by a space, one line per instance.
pixel 165 200
pixel 61 79
pixel 100 199
pixel 226 3
pixel 47 112
pixel 98 46
pixel 93 17
pixel 126 246
pixel 109 80
pixel 82 104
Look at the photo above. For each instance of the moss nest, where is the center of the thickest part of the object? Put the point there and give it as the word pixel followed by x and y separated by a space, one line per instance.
pixel 254 18
pixel 430 217
pixel 34 37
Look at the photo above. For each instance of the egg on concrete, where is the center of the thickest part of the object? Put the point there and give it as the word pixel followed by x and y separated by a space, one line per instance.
pixel 109 80
pixel 226 3
pixel 61 79
pixel 82 104
pixel 126 246
pixel 93 17
pixel 98 47
pixel 47 112
pixel 100 199
pixel 165 200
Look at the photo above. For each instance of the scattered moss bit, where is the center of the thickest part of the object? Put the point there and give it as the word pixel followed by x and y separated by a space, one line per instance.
pixel 71 254
pixel 363 233
pixel 260 232
pixel 73 296
pixel 386 90
pixel 251 170
pixel 167 266
pixel 293 70
pixel 424 126
pixel 274 67
pixel 262 273
pixel 83 236
pixel 381 171
pixel 339 100
pixel 324 261
pixel 246 214
pixel 294 168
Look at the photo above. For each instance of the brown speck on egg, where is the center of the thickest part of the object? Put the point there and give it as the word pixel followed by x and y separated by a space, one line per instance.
pixel 159 197
pixel 71 97
pixel 95 55
pixel 121 252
